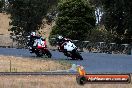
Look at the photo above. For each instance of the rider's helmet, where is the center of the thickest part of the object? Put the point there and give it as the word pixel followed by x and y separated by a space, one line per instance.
pixel 60 37
pixel 33 33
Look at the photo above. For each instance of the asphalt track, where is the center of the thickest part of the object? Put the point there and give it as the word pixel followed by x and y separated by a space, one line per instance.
pixel 93 62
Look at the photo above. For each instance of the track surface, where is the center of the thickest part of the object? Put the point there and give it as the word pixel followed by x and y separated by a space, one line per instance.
pixel 93 62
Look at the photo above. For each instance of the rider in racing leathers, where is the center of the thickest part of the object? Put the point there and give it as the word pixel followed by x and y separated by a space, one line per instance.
pixel 34 39
pixel 61 42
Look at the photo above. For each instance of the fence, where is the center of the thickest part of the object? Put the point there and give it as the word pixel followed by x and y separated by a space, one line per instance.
pixel 103 47
pixel 6 41
pixel 98 47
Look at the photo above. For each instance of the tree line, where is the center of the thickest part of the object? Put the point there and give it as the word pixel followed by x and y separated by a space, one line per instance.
pixel 75 19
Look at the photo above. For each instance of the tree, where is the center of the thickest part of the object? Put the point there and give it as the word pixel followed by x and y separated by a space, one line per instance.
pixel 75 19
pixel 27 15
pixel 118 18
pixel 98 4
pixel 1 4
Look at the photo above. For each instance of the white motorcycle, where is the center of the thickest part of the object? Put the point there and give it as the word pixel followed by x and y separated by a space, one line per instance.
pixel 70 50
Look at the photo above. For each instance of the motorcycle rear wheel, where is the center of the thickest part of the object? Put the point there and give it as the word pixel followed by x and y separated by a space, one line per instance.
pixel 48 54
pixel 39 53
pixel 77 55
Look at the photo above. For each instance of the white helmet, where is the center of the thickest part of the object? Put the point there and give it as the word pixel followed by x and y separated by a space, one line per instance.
pixel 60 37
pixel 33 33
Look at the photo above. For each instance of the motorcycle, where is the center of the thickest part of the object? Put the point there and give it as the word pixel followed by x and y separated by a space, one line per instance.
pixel 39 47
pixel 70 50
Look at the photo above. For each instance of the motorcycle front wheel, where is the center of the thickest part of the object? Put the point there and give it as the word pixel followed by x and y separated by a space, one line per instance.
pixel 77 55
pixel 39 53
pixel 48 54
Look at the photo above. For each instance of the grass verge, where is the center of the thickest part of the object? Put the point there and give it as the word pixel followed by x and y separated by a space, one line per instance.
pixel 19 64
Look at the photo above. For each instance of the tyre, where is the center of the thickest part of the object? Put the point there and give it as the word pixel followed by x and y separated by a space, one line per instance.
pixel 77 55
pixel 39 53
pixel 48 54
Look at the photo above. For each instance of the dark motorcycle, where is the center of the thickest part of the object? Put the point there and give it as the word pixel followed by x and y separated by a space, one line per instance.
pixel 39 47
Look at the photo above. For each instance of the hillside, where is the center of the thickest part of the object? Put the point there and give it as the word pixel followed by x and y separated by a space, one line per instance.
pixel 4 23
pixel 46 29
pixel 4 33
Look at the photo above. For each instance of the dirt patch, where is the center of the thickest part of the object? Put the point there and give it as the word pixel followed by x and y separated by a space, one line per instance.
pixel 45 30
pixel 19 64
pixel 4 23
pixel 4 33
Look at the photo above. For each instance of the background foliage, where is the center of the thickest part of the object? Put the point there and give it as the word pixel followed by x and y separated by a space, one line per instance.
pixel 75 19
pixel 118 19
pixel 27 15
